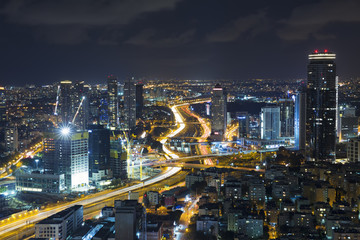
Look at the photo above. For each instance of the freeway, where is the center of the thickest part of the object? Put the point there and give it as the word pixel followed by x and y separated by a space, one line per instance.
pixel 42 214
pixel 22 220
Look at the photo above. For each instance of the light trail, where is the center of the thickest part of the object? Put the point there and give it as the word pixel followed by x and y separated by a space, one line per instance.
pixel 57 100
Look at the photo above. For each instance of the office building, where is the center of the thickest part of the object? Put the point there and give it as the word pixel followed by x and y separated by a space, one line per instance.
pixel 99 152
pixel 113 108
pixel 65 101
pixel 60 225
pixel 244 124
pixel 300 120
pixel 139 100
pixel 270 122
pixel 80 100
pixel 348 123
pixel 130 220
pixel 321 106
pixel 286 117
pixel 72 158
pixel 129 110
pixel 40 182
pixel 118 160
pixel 219 113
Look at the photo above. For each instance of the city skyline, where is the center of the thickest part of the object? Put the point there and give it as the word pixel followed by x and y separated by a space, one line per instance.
pixel 50 41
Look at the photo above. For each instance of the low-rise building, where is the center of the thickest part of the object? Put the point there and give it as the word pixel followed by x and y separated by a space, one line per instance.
pixel 40 182
pixel 60 225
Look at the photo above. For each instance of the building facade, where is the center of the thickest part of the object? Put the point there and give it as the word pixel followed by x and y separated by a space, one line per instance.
pixel 218 113
pixel 270 122
pixel 321 106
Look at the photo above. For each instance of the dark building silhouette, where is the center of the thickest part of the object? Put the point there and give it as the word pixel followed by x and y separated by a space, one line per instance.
pixel 99 152
pixel 139 100
pixel 321 106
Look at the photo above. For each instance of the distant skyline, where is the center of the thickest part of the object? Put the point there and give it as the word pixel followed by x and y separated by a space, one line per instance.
pixel 44 41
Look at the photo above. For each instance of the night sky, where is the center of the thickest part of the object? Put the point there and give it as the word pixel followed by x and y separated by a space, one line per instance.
pixel 44 41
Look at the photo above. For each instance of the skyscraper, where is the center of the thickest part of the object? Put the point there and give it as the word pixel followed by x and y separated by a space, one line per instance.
pixel 99 152
pixel 286 117
pixel 66 105
pixel 129 111
pixel 139 100
pixel 300 120
pixel 321 106
pixel 218 110
pixel 244 124
pixel 270 122
pixel 72 158
pixel 113 102
pixel 80 101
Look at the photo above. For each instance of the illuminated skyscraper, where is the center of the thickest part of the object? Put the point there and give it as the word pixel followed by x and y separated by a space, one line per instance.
pixel 129 111
pixel 270 123
pixel 300 120
pixel 321 106
pixel 113 111
pixel 286 117
pixel 72 158
pixel 218 110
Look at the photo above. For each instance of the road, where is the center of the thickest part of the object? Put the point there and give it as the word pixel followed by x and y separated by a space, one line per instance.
pixel 23 220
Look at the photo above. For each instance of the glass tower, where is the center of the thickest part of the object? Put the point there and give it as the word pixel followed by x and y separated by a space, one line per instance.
pixel 321 106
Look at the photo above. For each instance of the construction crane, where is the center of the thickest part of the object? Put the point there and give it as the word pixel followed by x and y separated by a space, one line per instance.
pixel 77 112
pixel 57 100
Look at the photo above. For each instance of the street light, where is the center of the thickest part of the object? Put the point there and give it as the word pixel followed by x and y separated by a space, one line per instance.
pixel 37 161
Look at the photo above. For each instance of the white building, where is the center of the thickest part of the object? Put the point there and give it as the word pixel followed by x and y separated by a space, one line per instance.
pixel 60 225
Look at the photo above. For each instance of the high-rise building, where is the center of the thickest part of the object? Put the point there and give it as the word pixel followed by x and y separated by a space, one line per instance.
pixel 113 101
pixel 244 124
pixel 99 152
pixel 270 122
pixel 139 100
pixel 66 105
pixel 218 110
pixel 286 117
pixel 348 123
pixel 118 159
pixel 321 106
pixel 300 120
pixel 11 139
pixel 129 110
pixel 80 99
pixel 72 158
pixel 3 109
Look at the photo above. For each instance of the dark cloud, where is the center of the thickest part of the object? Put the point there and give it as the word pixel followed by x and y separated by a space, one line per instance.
pixel 309 20
pixel 69 21
pixel 147 38
pixel 252 24
pixel 81 12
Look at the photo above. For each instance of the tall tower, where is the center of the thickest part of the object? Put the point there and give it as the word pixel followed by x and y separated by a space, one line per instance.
pixel 286 117
pixel 66 105
pixel 300 119
pixel 218 110
pixel 129 112
pixel 139 100
pixel 321 106
pixel 113 102
pixel 270 123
